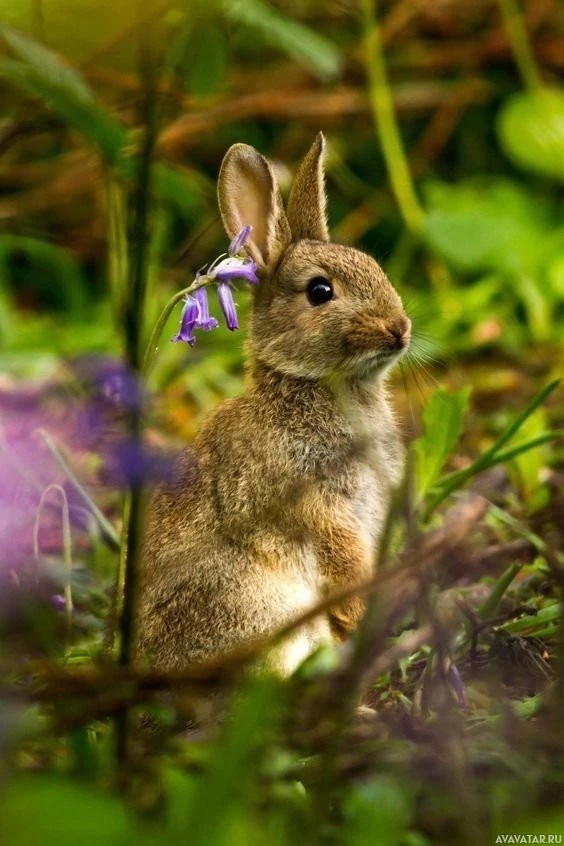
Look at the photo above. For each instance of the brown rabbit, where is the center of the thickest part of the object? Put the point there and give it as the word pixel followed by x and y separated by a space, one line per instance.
pixel 283 496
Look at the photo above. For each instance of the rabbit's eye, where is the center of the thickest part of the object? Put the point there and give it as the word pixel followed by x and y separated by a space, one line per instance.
pixel 319 290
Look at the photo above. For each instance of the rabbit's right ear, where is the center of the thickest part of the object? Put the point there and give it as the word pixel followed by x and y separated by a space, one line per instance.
pixel 248 195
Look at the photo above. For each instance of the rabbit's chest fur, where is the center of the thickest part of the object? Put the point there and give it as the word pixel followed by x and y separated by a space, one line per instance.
pixel 378 465
pixel 263 464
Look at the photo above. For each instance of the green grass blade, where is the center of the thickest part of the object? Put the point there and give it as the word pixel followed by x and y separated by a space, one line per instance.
pixel 294 38
pixel 492 456
pixel 488 607
pixel 546 615
pixel 514 427
pixel 40 73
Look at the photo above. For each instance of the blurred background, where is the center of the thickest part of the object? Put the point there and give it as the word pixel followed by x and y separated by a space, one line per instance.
pixel 445 161
pixel 479 259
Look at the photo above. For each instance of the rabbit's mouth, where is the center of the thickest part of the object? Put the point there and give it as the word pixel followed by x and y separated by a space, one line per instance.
pixel 370 364
pixel 390 356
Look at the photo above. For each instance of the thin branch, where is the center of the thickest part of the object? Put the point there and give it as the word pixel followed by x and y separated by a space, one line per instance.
pixel 385 122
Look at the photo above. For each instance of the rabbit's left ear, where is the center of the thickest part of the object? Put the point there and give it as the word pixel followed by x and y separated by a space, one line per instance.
pixel 307 201
pixel 248 195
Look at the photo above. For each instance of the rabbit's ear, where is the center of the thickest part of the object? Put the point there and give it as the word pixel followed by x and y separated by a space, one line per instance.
pixel 248 195
pixel 306 204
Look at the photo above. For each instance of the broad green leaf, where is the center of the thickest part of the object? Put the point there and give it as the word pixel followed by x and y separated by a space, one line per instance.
pixel 375 812
pixel 47 63
pixel 442 418
pixel 530 127
pixel 548 614
pixel 298 41
pixel 555 274
pixel 487 225
pixel 527 466
pixel 546 822
pixel 42 74
pixel 223 795
pixel 43 810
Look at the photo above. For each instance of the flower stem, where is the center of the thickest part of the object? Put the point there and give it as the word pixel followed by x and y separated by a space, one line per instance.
pixel 67 543
pixel 382 106
pixel 157 331
pixel 109 534
pixel 520 45
pixel 133 325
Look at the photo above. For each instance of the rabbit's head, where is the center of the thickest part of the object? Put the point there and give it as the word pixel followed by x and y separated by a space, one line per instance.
pixel 321 309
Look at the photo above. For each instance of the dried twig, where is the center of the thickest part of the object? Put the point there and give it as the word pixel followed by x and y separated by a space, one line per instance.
pixel 314 104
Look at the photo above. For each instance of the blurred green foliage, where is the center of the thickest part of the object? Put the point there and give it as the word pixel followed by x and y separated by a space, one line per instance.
pixel 490 267
pixel 485 276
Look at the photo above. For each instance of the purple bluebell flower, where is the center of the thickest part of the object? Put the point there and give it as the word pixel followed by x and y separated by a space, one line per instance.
pixel 188 321
pixel 235 268
pixel 239 241
pixel 225 297
pixel 222 272
pixel 204 322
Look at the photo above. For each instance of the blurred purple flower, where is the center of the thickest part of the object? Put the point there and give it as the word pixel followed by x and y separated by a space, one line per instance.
pixel 132 462
pixel 58 602
pixel 26 468
pixel 111 381
pixel 225 297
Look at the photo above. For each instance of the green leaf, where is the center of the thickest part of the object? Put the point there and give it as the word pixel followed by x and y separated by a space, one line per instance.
pixel 48 64
pixel 42 74
pixel 492 456
pixel 207 65
pixel 50 811
pixel 526 466
pixel 298 41
pixel 548 614
pixel 443 417
pixel 217 807
pixel 530 128
pixel 376 812
pixel 43 273
pixel 487 225
pixel 489 606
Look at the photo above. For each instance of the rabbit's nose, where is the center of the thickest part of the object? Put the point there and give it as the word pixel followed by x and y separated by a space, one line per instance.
pixel 399 329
